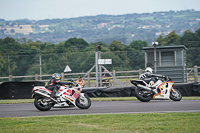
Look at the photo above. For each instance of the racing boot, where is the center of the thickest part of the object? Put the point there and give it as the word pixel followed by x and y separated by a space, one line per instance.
pixel 53 94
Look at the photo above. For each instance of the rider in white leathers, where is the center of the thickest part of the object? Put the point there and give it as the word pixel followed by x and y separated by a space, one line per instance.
pixel 149 77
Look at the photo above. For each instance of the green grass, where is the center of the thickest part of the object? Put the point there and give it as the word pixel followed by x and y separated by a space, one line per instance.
pixel 17 101
pixel 104 123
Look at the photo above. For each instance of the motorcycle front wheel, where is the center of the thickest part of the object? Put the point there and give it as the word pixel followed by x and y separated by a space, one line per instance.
pixel 83 102
pixel 42 103
pixel 175 95
pixel 142 95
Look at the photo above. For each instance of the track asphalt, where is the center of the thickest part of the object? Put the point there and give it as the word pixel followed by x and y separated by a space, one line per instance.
pixel 103 107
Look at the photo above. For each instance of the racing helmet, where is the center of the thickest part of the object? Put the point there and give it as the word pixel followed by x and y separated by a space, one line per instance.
pixel 56 76
pixel 148 69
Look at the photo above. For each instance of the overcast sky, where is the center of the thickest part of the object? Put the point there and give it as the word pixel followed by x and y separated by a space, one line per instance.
pixel 50 9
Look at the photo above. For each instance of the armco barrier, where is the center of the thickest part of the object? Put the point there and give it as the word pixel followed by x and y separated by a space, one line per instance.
pixel 22 90
pixel 18 90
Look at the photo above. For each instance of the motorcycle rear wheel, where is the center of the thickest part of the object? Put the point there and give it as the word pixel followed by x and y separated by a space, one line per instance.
pixel 83 102
pixel 175 95
pixel 141 96
pixel 41 104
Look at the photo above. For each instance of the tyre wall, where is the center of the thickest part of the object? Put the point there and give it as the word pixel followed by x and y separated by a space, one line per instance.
pixel 22 90
pixel 186 89
pixel 18 90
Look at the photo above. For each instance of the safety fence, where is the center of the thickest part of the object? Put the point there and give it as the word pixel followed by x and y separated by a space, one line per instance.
pixel 193 75
pixel 123 76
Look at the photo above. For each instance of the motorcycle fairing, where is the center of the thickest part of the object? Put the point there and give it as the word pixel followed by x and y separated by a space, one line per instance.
pixel 164 90
pixel 41 89
pixel 68 94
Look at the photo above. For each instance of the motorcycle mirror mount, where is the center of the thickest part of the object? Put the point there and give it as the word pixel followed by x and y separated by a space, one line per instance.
pixel 69 80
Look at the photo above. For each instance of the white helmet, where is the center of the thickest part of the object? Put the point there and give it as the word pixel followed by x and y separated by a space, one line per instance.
pixel 148 69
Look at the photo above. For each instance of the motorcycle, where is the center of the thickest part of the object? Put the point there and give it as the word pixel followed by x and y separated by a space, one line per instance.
pixel 67 96
pixel 161 89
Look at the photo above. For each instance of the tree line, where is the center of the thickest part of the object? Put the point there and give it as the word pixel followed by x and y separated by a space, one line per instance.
pixel 21 56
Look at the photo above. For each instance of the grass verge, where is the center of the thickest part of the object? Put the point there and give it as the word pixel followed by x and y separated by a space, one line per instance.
pixel 17 101
pixel 109 123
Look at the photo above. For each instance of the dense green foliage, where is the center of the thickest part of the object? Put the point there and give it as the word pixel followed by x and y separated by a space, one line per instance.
pixel 103 28
pixel 21 56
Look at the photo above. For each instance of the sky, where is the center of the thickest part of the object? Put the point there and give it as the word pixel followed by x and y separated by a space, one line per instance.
pixel 52 9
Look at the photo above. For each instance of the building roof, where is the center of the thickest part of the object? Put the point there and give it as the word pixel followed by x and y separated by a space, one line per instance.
pixel 166 47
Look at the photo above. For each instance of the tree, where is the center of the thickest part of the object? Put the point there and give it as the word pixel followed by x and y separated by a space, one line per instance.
pixel 76 44
pixel 188 39
pixel 8 40
pixel 2 65
pixel 117 46
pixel 197 36
pixel 138 44
pixel 161 41
pixel 172 39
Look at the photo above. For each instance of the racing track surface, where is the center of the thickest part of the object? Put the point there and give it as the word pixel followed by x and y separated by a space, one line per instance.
pixel 103 107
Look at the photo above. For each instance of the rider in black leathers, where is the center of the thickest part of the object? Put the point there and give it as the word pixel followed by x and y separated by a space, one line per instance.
pixel 148 76
pixel 54 84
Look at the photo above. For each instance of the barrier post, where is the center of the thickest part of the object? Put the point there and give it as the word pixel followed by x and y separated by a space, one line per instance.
pixel 140 71
pixel 36 77
pixel 62 77
pixel 113 78
pixel 195 73
pixel 89 79
pixel 10 77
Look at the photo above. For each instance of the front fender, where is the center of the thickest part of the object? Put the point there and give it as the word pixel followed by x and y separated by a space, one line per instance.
pixel 82 95
pixel 33 95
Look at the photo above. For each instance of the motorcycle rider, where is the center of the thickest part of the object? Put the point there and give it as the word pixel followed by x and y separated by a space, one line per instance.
pixel 54 84
pixel 149 77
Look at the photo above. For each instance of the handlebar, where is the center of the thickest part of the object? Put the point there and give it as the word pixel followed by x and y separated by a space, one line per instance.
pixel 70 80
pixel 167 78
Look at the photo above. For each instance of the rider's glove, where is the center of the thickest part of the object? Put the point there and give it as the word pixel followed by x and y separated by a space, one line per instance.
pixel 165 77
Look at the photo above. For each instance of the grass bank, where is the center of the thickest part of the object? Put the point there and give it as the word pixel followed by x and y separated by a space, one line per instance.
pixel 104 123
pixel 17 101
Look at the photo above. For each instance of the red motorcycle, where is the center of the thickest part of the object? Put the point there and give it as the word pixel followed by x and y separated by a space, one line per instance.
pixel 67 96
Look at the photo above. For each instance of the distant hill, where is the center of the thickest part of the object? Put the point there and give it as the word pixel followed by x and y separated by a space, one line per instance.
pixel 104 28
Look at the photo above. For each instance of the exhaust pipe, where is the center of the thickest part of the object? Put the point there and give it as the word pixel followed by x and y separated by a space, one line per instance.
pixel 144 87
pixel 45 95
